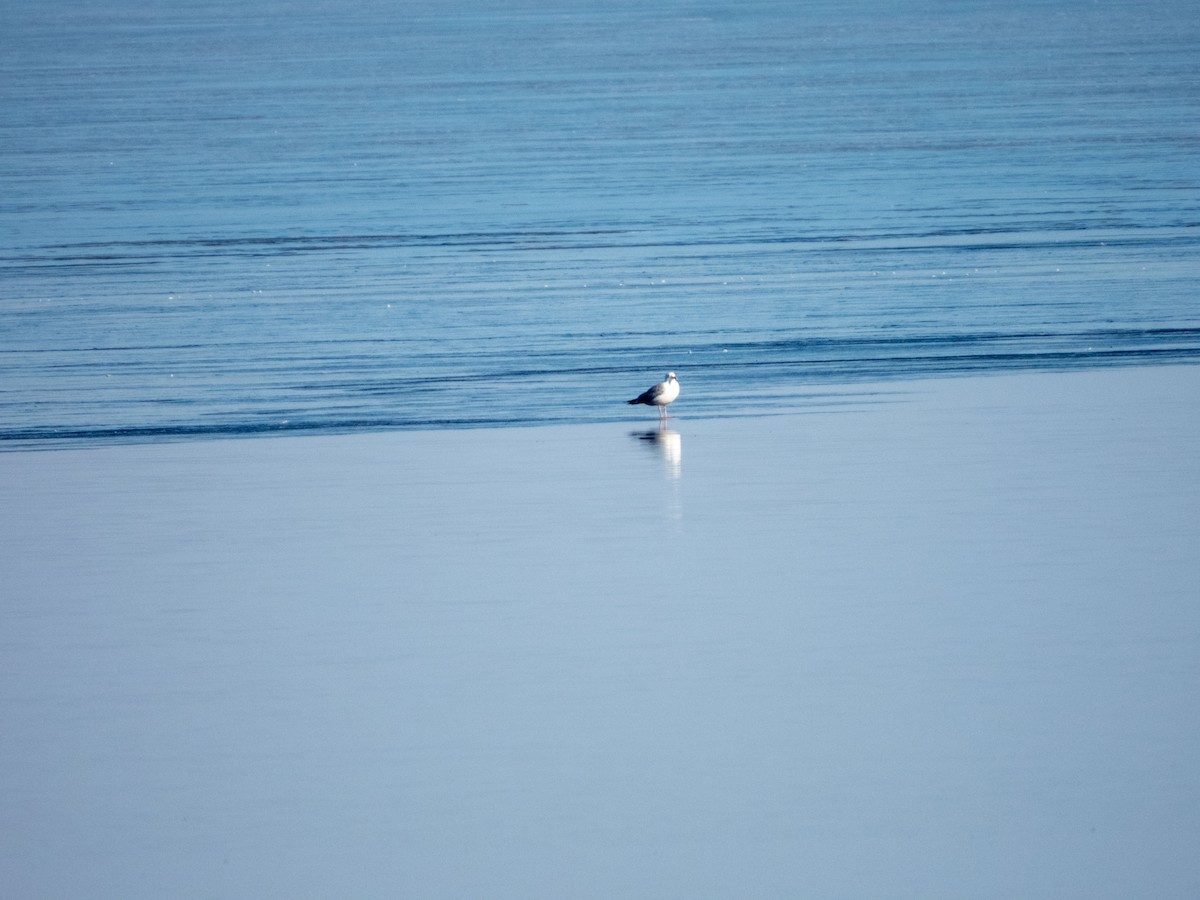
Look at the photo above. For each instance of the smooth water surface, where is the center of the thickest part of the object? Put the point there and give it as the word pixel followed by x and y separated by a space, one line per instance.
pixel 939 647
pixel 225 219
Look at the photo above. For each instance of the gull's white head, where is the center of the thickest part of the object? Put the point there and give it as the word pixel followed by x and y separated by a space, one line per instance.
pixel 670 376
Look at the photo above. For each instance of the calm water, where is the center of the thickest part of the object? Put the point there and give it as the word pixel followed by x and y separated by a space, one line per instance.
pixel 929 650
pixel 249 218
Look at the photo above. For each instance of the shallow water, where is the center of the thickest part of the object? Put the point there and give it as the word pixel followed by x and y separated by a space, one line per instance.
pixel 300 216
pixel 943 646
pixel 897 638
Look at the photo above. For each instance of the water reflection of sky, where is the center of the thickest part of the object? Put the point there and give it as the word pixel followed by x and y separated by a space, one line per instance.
pixel 480 663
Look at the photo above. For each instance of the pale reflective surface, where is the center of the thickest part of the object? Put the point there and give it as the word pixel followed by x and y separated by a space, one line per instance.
pixel 946 642
pixel 669 444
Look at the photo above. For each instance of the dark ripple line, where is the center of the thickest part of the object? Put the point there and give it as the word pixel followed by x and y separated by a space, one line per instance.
pixel 1102 235
pixel 797 343
pixel 889 368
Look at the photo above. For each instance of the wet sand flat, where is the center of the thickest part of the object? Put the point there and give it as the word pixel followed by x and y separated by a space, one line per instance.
pixel 927 639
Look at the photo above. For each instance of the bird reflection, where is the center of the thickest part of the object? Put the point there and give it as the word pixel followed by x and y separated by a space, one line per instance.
pixel 669 444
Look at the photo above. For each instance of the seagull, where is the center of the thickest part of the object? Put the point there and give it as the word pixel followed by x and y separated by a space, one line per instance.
pixel 659 395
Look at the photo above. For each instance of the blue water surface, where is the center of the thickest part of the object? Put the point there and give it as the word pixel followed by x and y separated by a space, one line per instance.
pixel 299 216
